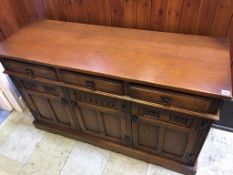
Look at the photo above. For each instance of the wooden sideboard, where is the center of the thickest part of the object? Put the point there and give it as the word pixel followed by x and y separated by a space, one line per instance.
pixel 149 95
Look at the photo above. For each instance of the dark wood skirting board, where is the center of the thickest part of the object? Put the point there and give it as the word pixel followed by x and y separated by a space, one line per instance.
pixel 173 165
pixel 225 128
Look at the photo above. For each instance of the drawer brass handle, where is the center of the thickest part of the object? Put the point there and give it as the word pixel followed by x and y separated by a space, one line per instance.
pixel 29 72
pixel 90 85
pixel 166 101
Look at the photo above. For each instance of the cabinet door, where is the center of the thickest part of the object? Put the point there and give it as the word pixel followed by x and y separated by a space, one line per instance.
pixel 154 133
pixel 103 117
pixel 47 103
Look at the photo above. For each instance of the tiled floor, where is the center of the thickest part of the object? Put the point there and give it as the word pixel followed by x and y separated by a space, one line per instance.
pixel 25 150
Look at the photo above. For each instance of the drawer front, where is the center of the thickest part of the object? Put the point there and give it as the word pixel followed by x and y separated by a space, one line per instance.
pixel 92 82
pixel 166 98
pixel 166 116
pixel 30 70
pixel 176 119
pixel 41 88
pixel 97 101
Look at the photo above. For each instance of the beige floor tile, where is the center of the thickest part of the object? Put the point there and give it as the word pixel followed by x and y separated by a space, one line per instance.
pixel 9 166
pixel 12 123
pixel 158 170
pixel 25 150
pixel 6 129
pixel 119 164
pixel 21 117
pixel 21 143
pixel 85 159
pixel 41 163
pixel 56 145
pixel 49 156
pixel 216 156
pixel 221 136
pixel 16 116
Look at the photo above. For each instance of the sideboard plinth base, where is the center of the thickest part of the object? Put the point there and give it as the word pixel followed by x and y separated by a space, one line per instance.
pixel 170 164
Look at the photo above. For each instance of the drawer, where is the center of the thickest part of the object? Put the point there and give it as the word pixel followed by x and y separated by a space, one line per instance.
pixel 176 119
pixel 98 102
pixel 146 111
pixel 31 70
pixel 166 98
pixel 41 88
pixel 170 117
pixel 92 82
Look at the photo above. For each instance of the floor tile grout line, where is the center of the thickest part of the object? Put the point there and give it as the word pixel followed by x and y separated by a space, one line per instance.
pixel 109 152
pixel 147 168
pixel 67 158
pixel 25 163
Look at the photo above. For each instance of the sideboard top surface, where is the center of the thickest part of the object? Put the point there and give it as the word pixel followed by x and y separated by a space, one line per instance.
pixel 188 63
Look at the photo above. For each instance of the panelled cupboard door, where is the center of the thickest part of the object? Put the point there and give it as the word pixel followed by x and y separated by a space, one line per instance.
pixel 46 103
pixel 155 132
pixel 102 116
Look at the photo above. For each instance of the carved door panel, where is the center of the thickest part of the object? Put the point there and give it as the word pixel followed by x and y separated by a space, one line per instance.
pixel 103 117
pixel 46 103
pixel 154 131
pixel 145 134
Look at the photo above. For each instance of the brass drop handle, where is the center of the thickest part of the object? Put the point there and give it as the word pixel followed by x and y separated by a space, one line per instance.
pixel 166 101
pixel 29 72
pixel 90 85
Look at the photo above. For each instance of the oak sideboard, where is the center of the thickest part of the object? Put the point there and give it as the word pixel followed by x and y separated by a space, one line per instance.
pixel 150 95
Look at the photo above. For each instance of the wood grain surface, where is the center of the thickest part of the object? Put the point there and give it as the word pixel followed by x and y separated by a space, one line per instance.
pixel 183 62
